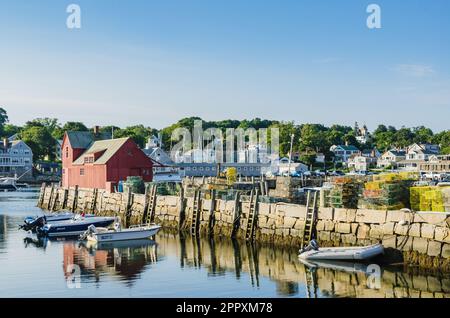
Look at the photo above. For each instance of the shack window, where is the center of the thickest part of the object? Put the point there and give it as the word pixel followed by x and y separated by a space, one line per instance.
pixel 82 172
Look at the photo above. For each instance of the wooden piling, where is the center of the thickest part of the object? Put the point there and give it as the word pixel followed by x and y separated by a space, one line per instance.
pixel 212 208
pixel 42 195
pixel 49 203
pixel 128 210
pixel 181 212
pixel 236 214
pixel 75 199
pixel 64 199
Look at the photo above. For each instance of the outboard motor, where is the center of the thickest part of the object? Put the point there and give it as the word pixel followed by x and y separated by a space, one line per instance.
pixel 91 230
pixel 312 246
pixel 33 225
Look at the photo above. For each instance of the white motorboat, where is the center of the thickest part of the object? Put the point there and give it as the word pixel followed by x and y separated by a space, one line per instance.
pixel 313 252
pixel 101 235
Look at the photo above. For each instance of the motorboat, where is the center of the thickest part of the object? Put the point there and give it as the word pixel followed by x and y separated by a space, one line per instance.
pixel 360 253
pixel 11 184
pixel 30 222
pixel 102 235
pixel 73 227
pixel 8 184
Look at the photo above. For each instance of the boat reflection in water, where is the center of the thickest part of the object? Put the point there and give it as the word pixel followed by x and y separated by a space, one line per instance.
pixel 124 260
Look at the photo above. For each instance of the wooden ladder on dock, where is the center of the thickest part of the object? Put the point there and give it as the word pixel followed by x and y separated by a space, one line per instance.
pixel 195 213
pixel 150 215
pixel 310 219
pixel 93 201
pixel 252 214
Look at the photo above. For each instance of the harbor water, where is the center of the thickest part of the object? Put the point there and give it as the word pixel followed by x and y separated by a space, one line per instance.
pixel 177 266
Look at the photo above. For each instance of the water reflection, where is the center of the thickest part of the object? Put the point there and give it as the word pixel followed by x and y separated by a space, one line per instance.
pixel 125 260
pixel 183 266
pixel 222 257
pixel 293 278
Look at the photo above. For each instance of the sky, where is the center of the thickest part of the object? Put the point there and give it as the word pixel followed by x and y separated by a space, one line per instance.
pixel 154 62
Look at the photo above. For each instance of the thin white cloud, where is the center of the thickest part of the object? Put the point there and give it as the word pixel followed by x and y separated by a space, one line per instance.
pixel 415 70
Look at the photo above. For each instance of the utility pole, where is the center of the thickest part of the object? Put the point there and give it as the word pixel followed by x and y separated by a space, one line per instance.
pixel 290 155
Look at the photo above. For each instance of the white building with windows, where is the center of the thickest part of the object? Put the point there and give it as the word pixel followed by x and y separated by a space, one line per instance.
pixel 16 159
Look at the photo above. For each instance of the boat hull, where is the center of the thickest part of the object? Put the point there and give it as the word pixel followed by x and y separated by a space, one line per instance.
pixel 125 235
pixel 74 227
pixel 343 253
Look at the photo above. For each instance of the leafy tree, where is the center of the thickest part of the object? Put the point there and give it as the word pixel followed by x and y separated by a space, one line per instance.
pixel 3 116
pixel 308 159
pixel 313 138
pixel 3 120
pixel 443 139
pixel 422 135
pixel 74 126
pixel 10 130
pixel 138 133
pixel 40 141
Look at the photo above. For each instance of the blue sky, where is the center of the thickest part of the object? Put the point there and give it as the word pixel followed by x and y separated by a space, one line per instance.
pixel 154 62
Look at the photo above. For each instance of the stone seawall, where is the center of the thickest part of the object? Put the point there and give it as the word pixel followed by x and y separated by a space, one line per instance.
pixel 421 239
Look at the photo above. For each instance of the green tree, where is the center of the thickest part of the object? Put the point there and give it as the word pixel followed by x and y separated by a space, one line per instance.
pixel 443 140
pixel 10 130
pixel 422 135
pixel 138 133
pixel 3 120
pixel 74 126
pixel 40 141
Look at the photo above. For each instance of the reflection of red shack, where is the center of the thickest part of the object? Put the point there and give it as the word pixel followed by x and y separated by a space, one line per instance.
pixel 91 161
pixel 80 256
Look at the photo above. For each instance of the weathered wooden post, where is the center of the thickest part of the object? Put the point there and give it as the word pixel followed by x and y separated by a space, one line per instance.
pixel 42 195
pixel 49 203
pixel 212 208
pixel 128 205
pixel 146 202
pixel 181 212
pixel 64 199
pixel 75 199
pixel 55 200
pixel 236 214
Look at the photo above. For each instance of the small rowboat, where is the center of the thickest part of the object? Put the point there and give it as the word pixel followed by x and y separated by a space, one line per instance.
pixel 342 253
pixel 101 235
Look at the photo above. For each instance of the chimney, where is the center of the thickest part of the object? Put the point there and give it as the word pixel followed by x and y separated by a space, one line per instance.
pixel 5 143
pixel 96 130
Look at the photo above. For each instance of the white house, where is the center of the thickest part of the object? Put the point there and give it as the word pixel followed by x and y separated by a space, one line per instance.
pixel 416 155
pixel 343 152
pixel 294 167
pixel 362 163
pixel 391 158
pixel 16 159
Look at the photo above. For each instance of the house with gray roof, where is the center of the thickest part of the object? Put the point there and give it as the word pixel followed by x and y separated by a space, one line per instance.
pixel 16 159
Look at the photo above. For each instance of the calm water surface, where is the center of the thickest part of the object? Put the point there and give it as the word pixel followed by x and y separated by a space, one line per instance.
pixel 172 266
